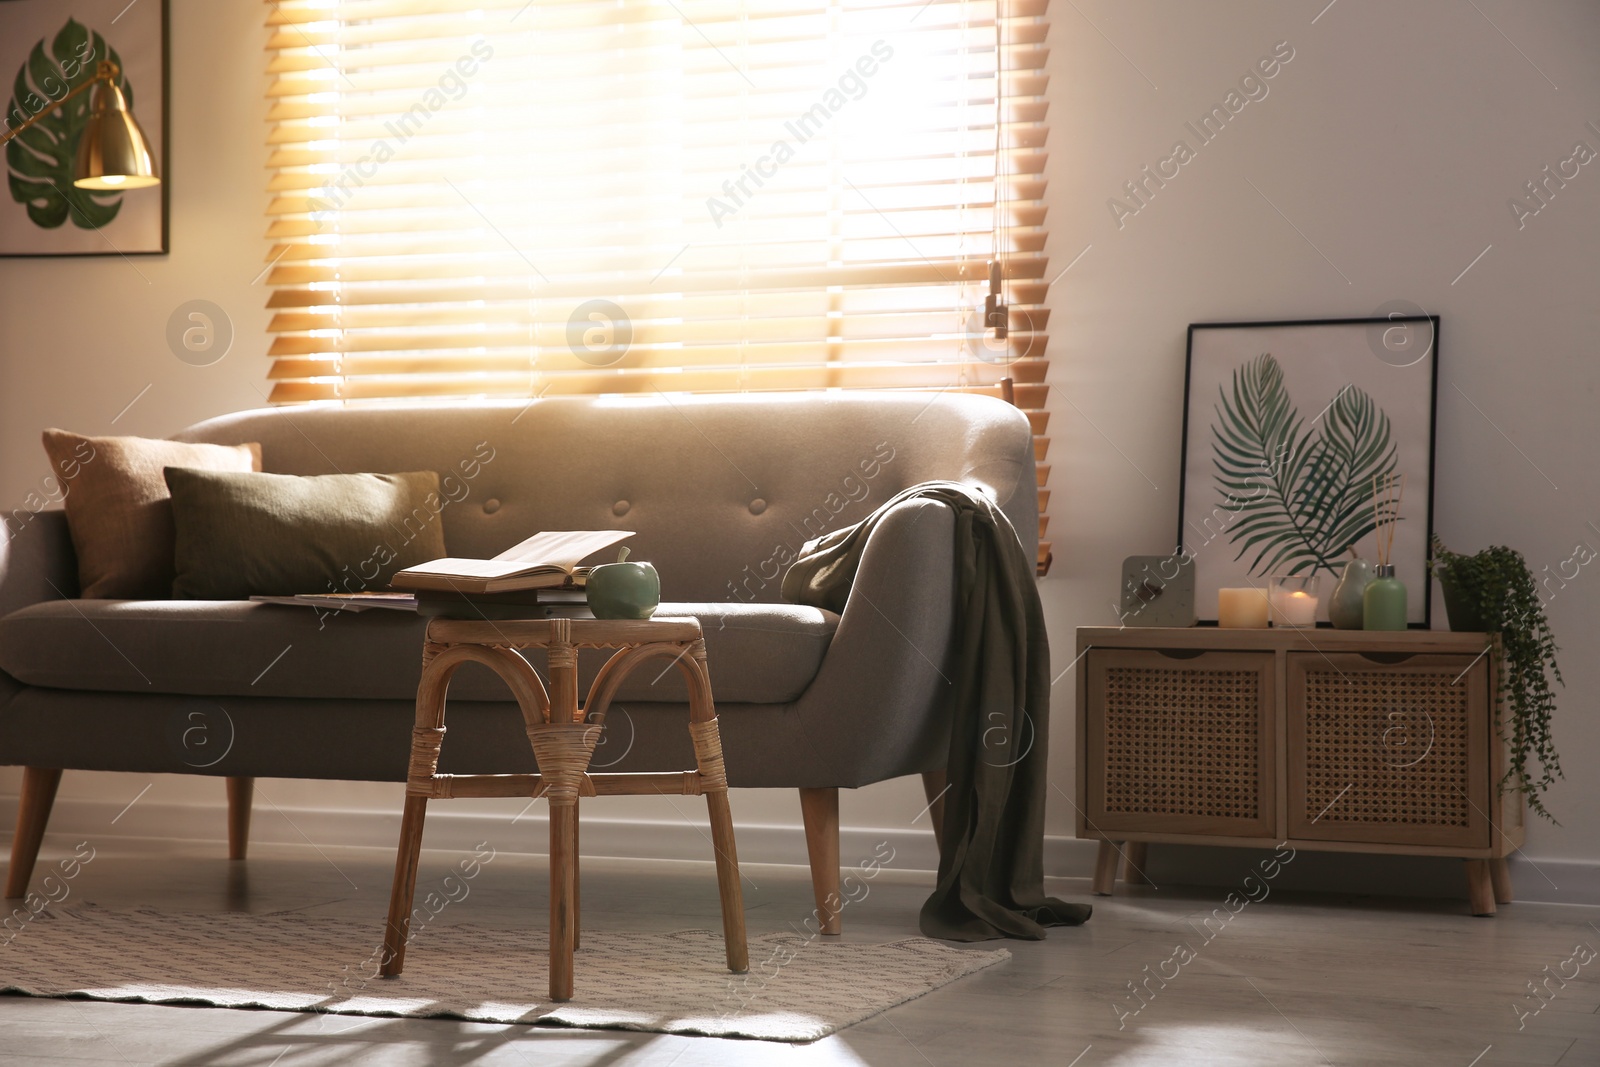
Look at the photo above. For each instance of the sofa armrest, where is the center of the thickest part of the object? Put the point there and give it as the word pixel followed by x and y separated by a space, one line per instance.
pixel 36 560
pixel 879 705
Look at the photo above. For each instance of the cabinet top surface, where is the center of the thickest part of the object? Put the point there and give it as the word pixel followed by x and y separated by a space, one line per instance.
pixel 1272 639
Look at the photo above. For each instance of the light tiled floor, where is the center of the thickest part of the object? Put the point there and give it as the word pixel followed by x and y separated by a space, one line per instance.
pixel 1295 979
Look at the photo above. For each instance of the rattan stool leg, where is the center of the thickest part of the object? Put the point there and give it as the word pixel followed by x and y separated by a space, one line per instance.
pixel 577 887
pixel 714 783
pixel 427 735
pixel 397 931
pixel 561 658
pixel 563 750
pixel 563 887
pixel 733 933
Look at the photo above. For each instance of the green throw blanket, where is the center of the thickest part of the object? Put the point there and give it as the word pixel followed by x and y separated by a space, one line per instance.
pixel 991 870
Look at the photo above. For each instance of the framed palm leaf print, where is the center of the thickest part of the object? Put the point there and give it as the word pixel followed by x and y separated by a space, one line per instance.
pixel 1289 430
pixel 47 49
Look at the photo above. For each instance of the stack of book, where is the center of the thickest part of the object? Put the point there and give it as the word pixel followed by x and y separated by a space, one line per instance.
pixel 519 583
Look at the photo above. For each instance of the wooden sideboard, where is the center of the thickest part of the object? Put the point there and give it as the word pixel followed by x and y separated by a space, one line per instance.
pixel 1330 740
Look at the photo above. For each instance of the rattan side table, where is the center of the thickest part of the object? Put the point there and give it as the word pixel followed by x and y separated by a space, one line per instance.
pixel 563 743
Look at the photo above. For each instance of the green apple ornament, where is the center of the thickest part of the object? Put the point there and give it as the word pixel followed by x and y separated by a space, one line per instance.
pixel 624 590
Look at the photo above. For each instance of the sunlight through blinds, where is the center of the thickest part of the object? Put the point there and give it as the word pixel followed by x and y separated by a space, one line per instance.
pixel 505 198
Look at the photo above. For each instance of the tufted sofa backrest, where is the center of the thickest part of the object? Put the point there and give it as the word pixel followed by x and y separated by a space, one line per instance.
pixel 722 490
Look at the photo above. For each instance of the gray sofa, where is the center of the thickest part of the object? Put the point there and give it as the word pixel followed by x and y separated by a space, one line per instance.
pixel 721 490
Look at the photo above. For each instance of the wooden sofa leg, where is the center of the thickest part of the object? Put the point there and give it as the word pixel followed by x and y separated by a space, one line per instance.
pixel 239 795
pixel 38 794
pixel 934 787
pixel 820 810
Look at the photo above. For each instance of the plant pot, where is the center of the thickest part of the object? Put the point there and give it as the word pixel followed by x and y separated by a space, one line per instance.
pixel 1464 618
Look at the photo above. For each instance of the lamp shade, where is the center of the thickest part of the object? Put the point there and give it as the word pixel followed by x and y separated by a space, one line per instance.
pixel 113 152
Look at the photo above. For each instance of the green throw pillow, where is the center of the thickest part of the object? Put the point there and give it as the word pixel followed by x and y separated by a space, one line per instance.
pixel 245 534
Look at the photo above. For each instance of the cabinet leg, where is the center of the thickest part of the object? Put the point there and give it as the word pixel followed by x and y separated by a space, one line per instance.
pixel 1105 869
pixel 1134 859
pixel 1480 887
pixel 1500 875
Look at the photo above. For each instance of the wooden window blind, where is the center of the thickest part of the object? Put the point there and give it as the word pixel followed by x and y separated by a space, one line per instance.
pixel 513 198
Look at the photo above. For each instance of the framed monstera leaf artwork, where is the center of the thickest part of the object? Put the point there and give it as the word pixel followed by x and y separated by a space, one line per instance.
pixel 47 49
pixel 1295 435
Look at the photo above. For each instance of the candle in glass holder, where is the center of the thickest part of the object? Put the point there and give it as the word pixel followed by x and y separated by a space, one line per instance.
pixel 1297 609
pixel 1294 599
pixel 1242 608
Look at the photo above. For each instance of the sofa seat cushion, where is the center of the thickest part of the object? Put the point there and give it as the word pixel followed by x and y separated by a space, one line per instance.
pixel 757 653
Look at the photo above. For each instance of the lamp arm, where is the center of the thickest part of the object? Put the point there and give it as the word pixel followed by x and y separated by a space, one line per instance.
pixel 107 71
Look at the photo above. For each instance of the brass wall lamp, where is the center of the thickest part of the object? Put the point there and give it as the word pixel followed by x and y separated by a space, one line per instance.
pixel 113 152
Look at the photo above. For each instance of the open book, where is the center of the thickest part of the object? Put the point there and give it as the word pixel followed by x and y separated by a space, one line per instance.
pixel 542 561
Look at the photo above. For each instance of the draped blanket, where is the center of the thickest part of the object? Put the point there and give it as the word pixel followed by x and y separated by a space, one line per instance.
pixel 991 867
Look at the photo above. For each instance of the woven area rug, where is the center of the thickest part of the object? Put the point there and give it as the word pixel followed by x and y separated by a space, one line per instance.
pixel 798 989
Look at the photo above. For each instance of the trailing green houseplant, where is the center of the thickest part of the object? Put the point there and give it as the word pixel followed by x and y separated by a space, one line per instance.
pixel 1494 592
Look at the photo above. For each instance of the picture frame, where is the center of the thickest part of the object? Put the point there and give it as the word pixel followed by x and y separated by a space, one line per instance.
pixel 48 47
pixel 1284 427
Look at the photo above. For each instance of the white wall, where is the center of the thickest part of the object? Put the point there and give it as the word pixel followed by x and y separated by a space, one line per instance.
pixel 1392 140
pixel 83 336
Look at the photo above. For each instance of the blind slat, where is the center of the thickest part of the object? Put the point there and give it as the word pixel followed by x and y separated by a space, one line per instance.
pixel 660 354
pixel 982 379
pixel 710 318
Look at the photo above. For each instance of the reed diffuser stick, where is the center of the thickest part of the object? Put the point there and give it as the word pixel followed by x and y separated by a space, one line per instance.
pixel 1389 512
pixel 1394 520
pixel 1380 491
pixel 1386 515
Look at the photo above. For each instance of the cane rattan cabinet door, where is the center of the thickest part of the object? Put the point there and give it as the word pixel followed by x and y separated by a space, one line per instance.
pixel 1390 750
pixel 1179 742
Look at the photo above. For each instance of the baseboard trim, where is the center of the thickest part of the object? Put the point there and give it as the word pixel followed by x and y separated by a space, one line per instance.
pixel 74 819
pixel 1543 881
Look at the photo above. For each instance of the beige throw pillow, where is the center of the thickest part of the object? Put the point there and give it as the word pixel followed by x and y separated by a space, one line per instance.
pixel 119 510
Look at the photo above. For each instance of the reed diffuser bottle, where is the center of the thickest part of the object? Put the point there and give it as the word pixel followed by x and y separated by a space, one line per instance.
pixel 1383 603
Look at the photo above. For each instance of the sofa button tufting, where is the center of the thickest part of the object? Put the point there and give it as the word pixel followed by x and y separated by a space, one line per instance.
pixel 620 508
pixel 757 506
pixel 491 506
